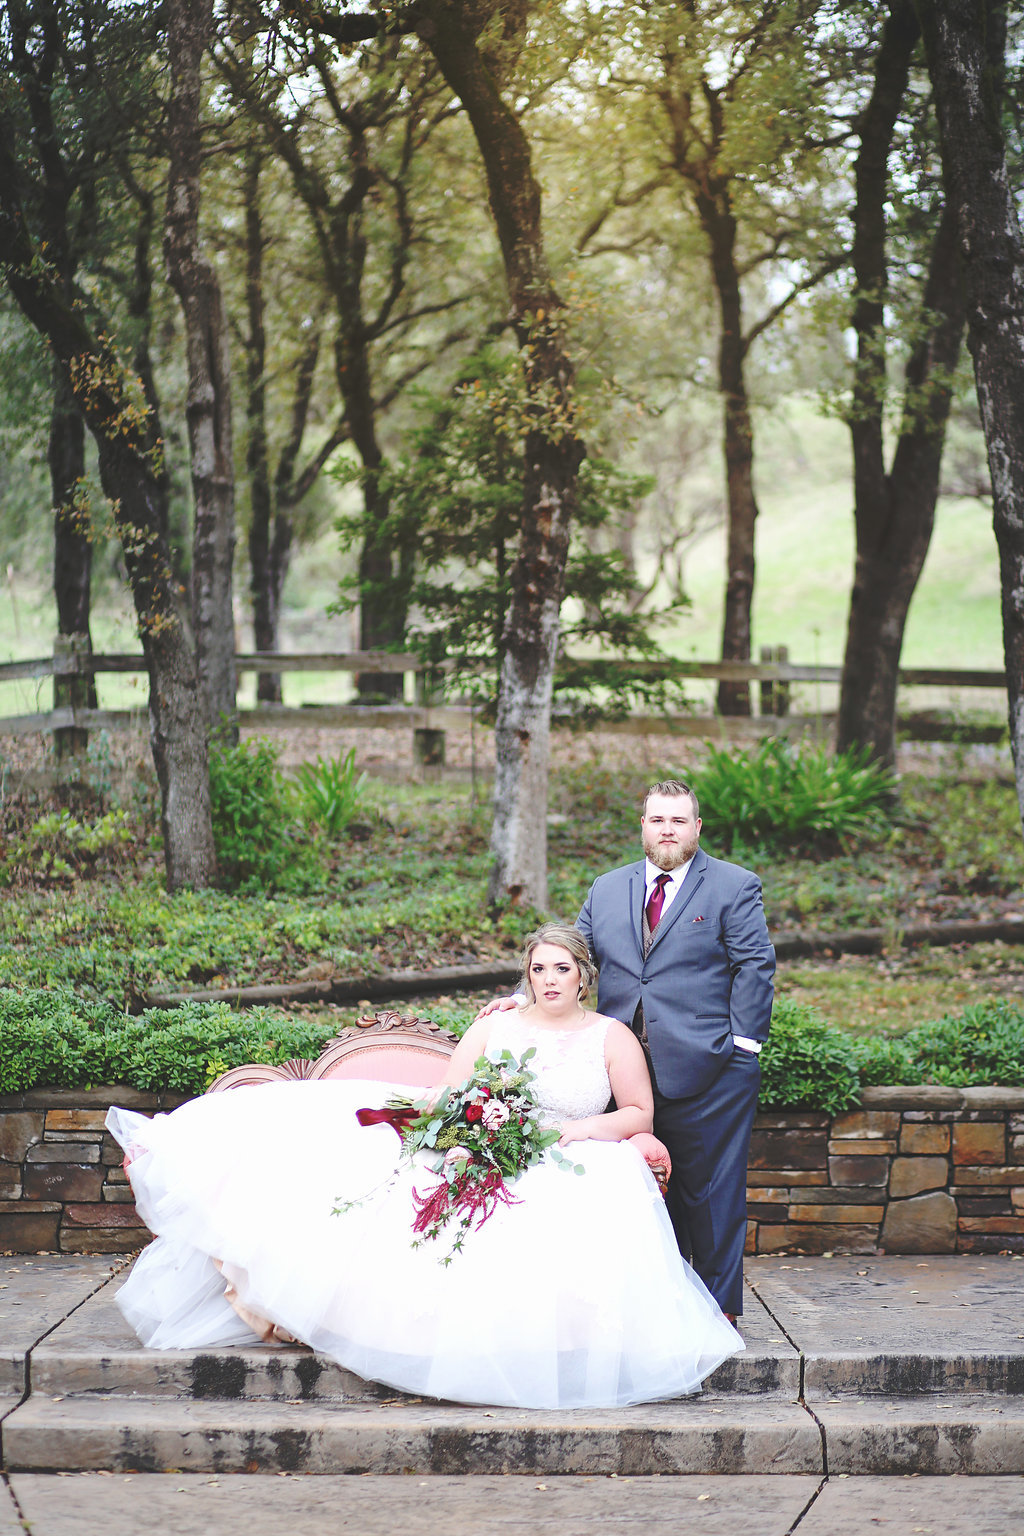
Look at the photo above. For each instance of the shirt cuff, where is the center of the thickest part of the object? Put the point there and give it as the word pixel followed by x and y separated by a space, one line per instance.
pixel 753 1046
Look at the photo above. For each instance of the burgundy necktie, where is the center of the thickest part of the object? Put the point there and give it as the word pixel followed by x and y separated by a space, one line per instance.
pixel 656 902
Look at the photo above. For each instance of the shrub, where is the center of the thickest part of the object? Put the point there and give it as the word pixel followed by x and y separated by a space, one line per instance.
pixel 780 797
pixel 55 1039
pixel 185 1048
pixel 807 1063
pixel 886 1062
pixel 253 826
pixel 981 1047
pixel 330 791
pixel 51 1039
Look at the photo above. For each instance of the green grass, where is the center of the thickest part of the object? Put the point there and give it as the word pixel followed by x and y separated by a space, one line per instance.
pixel 805 561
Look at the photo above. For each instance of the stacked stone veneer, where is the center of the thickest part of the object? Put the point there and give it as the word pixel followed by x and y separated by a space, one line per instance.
pixel 913 1170
pixel 62 1187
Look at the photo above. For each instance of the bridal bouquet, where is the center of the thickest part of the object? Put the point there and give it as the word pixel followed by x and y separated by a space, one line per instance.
pixel 478 1137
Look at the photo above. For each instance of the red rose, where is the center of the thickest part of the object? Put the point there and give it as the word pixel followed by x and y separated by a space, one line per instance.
pixel 473 1112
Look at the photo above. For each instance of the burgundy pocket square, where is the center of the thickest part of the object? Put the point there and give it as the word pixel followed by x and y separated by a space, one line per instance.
pixel 698 919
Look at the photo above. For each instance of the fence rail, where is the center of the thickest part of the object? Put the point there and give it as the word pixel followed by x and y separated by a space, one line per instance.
pixel 79 665
pixel 774 676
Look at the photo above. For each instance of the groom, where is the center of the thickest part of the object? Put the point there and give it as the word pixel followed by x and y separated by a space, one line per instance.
pixel 684 955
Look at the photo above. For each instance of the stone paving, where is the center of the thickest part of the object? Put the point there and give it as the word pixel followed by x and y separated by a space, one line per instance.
pixel 85 1504
pixel 856 1369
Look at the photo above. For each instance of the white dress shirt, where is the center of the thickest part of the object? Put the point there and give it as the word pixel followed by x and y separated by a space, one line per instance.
pixel 675 880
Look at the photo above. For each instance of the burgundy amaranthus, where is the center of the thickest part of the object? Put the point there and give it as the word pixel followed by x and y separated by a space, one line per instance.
pixel 473 1198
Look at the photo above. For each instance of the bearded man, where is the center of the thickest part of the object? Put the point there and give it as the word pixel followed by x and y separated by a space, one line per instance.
pixel 685 957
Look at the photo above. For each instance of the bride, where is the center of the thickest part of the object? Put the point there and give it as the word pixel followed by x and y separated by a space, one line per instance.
pixel 575 1295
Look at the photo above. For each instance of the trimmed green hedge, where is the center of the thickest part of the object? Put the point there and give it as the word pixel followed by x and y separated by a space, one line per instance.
pixel 54 1039
pixel 809 1064
pixel 57 1040
pixel 982 1046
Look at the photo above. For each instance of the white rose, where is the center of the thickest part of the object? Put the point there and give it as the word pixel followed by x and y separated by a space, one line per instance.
pixel 495 1114
pixel 455 1155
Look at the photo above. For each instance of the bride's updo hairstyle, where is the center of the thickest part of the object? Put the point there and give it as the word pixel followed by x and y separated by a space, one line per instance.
pixel 566 937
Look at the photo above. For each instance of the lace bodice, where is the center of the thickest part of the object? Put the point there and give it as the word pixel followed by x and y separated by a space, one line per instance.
pixel 572 1079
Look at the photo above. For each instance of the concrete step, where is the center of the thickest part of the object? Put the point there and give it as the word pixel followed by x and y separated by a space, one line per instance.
pixel 95 1351
pixel 977 1432
pixel 35 1294
pixel 195 1504
pixel 696 1435
pixel 911 1372
pixel 898 1326
pixel 853 1367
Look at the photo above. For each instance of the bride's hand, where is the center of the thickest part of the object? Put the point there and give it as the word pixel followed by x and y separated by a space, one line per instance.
pixel 496 1005
pixel 575 1130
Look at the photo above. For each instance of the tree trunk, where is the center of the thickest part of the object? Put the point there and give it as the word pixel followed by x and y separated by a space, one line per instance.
pixel 553 454
pixel 719 224
pixel 702 164
pixel 382 609
pixel 72 557
pixel 263 588
pixel 177 727
pixel 894 513
pixel 140 307
pixel 130 457
pixel 965 45
pixel 208 405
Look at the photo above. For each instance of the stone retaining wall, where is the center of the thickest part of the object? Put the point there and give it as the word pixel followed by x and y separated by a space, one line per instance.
pixel 913 1170
pixel 62 1187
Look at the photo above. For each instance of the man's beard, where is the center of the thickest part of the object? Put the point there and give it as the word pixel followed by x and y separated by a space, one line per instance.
pixel 669 858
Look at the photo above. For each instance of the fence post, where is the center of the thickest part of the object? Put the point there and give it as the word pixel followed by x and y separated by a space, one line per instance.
pixel 774 695
pixel 428 744
pixel 70 690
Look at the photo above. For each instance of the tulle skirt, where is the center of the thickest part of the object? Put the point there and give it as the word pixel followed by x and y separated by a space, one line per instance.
pixel 573 1296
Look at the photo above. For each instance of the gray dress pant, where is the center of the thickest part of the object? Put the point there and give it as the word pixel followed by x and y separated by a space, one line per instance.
pixel 708 1140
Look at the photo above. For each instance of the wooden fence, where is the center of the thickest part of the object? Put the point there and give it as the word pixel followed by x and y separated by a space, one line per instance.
pixel 72 668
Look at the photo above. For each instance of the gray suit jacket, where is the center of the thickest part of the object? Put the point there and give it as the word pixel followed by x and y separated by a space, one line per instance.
pixel 707 976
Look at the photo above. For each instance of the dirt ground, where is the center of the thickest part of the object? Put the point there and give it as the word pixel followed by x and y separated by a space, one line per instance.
pixel 27 761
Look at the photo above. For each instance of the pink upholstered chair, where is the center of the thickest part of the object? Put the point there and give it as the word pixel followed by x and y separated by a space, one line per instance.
pixel 395 1048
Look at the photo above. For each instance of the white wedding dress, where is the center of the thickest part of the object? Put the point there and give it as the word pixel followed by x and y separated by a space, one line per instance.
pixel 574 1296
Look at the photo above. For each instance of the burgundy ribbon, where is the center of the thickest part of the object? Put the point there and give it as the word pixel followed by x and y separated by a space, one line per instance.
pixel 398 1119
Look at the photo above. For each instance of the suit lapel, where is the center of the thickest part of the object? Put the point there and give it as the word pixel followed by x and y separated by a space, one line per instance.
pixel 637 892
pixel 690 886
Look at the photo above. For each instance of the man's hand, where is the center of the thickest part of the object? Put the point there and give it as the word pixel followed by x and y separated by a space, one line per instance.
pixel 497 1005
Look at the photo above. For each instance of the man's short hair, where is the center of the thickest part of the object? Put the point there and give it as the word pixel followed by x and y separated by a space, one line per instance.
pixel 672 787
